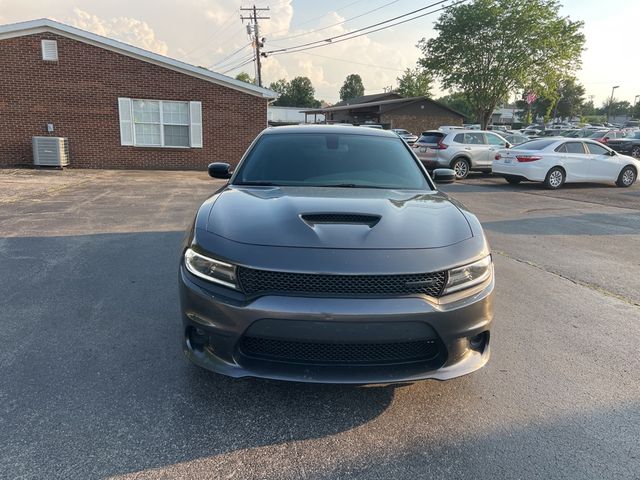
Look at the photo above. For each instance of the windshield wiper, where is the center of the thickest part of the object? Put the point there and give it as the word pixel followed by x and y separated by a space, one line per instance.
pixel 259 184
pixel 345 185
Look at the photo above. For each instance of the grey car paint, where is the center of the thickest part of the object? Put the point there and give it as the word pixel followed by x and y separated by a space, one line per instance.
pixel 261 228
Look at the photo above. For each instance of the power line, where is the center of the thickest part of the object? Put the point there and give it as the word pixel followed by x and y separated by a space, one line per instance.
pixel 329 41
pixel 231 55
pixel 238 66
pixel 339 23
pixel 251 57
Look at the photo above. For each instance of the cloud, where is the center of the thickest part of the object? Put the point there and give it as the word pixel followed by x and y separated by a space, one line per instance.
pixel 126 29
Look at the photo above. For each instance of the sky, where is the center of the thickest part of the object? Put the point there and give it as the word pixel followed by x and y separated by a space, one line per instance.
pixel 206 32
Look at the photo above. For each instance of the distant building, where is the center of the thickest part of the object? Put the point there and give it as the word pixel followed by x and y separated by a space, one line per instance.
pixel 289 116
pixel 390 110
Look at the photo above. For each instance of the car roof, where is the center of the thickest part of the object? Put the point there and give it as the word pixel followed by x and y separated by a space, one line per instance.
pixel 328 129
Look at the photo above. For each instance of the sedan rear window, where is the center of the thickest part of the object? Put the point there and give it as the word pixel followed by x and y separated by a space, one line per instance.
pixel 326 160
pixel 430 137
pixel 537 144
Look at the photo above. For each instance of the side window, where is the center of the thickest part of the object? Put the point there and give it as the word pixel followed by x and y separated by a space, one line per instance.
pixel 494 140
pixel 459 138
pixel 474 138
pixel 562 148
pixel 574 147
pixel 596 149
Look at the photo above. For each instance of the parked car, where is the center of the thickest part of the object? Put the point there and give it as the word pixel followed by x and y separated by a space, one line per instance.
pixel 559 161
pixel 448 128
pixel 583 132
pixel 632 124
pixel 372 125
pixel 463 151
pixel 330 256
pixel 532 132
pixel 603 136
pixel 406 135
pixel 627 145
pixel 515 138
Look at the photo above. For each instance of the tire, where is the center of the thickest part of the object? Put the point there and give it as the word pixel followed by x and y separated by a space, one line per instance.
pixel 635 151
pixel 627 177
pixel 555 178
pixel 513 180
pixel 461 166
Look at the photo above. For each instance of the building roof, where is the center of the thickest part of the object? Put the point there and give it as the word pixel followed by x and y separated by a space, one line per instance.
pixel 368 98
pixel 393 103
pixel 46 25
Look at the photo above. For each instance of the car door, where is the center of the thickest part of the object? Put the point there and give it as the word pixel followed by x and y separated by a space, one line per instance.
pixel 477 148
pixel 496 143
pixel 574 159
pixel 602 165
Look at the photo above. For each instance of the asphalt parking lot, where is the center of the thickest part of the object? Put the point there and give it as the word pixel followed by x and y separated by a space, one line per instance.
pixel 93 383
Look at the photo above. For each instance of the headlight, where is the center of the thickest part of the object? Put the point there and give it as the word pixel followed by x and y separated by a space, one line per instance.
pixel 469 275
pixel 210 269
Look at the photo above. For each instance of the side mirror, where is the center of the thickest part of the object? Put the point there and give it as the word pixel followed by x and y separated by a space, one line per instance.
pixel 219 170
pixel 444 175
pixel 613 153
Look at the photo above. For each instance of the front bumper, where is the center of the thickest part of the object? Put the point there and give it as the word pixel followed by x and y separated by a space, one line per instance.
pixel 215 325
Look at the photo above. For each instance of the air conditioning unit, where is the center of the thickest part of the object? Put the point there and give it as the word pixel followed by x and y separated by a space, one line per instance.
pixel 50 151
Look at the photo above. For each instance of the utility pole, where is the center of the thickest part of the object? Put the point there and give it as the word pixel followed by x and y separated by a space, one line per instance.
pixel 252 28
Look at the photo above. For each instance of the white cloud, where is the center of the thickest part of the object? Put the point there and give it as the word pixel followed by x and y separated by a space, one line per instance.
pixel 129 30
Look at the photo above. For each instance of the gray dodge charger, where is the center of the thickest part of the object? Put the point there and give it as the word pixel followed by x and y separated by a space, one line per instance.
pixel 330 256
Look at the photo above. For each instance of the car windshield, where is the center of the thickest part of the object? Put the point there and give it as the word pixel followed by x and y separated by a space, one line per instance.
pixel 635 134
pixel 598 134
pixel 331 160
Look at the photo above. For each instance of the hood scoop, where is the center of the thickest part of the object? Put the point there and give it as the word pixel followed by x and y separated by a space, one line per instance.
pixel 340 219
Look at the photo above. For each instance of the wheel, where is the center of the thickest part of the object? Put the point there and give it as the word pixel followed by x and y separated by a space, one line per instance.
pixel 513 180
pixel 635 151
pixel 627 177
pixel 555 178
pixel 461 167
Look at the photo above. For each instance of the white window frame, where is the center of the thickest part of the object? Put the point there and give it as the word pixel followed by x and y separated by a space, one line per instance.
pixel 128 123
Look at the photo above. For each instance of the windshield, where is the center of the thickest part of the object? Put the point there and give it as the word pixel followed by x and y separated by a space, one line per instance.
pixel 331 160
pixel 635 134
pixel 598 134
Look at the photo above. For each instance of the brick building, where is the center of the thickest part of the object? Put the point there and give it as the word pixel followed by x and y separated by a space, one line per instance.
pixel 120 106
pixel 390 110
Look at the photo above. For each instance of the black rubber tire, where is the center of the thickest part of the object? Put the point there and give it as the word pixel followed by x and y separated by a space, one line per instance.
pixel 635 151
pixel 513 180
pixel 627 177
pixel 551 180
pixel 461 172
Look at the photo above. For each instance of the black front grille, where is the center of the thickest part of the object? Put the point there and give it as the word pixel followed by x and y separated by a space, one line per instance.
pixel 339 353
pixel 254 282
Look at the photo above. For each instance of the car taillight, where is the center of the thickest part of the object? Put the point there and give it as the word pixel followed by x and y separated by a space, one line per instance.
pixel 440 145
pixel 498 156
pixel 527 158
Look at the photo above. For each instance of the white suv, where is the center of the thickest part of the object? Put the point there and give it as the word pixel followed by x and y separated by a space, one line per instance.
pixel 461 150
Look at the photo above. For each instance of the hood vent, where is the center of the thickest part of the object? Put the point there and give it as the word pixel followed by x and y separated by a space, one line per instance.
pixel 341 218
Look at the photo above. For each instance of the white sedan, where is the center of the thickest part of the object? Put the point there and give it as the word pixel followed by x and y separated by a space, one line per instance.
pixel 555 161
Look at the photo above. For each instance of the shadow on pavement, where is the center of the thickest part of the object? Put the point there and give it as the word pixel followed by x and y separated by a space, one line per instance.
pixel 94 382
pixel 584 224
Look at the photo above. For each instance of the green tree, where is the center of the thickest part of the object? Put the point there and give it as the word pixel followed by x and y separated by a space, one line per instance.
pixel 571 99
pixel 459 102
pixel 352 87
pixel 492 48
pixel 414 83
pixel 297 93
pixel 245 77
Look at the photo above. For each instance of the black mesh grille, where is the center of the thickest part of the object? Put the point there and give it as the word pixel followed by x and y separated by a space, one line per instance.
pixel 349 218
pixel 338 353
pixel 255 282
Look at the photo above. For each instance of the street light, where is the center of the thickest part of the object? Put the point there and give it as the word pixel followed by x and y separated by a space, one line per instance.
pixel 610 102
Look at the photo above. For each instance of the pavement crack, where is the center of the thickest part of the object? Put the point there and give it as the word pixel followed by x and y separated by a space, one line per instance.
pixel 590 286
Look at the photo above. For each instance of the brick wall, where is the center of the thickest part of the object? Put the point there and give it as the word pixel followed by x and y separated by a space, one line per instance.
pixel 79 95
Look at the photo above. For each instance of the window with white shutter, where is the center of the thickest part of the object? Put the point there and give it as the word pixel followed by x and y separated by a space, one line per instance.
pixel 160 123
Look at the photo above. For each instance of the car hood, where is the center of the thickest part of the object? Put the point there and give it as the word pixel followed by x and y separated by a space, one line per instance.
pixel 337 218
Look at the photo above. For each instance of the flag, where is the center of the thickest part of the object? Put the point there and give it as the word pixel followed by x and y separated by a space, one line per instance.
pixel 531 97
